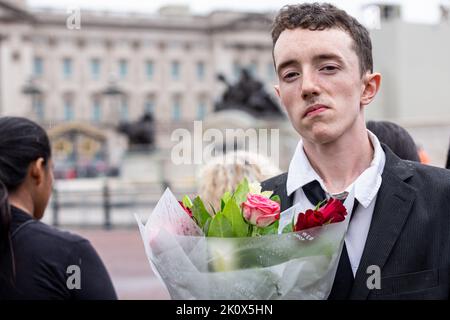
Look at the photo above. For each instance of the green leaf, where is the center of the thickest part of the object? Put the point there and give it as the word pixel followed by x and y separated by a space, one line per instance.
pixel 206 226
pixel 199 212
pixel 242 189
pixel 320 204
pixel 233 213
pixel 276 198
pixel 187 202
pixel 212 209
pixel 225 198
pixel 220 227
pixel 271 229
pixel 288 228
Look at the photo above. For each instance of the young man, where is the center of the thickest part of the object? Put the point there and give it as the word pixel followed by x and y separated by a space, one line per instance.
pixel 400 225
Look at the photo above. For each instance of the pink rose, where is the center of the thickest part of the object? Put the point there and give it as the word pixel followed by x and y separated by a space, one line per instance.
pixel 260 211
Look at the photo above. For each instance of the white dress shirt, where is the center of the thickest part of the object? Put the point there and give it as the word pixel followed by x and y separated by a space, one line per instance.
pixel 366 187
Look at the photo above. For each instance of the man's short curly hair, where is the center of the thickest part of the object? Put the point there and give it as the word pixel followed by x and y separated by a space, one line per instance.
pixel 320 16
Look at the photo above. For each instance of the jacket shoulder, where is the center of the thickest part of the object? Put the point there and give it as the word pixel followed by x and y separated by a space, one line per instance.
pixel 431 172
pixel 271 183
pixel 429 179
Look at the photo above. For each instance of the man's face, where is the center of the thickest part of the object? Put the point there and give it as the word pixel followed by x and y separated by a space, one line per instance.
pixel 320 82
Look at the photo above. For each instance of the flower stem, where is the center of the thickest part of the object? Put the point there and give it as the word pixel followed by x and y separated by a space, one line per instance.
pixel 250 230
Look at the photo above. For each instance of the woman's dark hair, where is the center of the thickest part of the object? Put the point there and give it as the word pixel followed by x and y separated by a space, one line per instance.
pixel 396 138
pixel 21 142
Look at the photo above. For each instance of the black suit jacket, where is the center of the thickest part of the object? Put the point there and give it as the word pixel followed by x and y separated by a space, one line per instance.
pixel 409 236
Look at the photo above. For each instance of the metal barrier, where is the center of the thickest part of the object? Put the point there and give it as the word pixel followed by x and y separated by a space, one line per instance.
pixel 107 199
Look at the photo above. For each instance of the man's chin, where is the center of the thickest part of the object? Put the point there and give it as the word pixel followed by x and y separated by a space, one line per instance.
pixel 323 141
pixel 318 136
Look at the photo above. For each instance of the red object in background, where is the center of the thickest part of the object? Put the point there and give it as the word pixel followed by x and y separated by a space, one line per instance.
pixel 423 156
pixel 71 174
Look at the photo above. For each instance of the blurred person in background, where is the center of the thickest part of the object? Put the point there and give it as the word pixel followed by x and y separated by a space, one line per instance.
pixel 38 261
pixel 396 138
pixel 223 173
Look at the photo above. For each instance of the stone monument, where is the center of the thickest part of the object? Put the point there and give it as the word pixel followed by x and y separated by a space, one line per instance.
pixel 248 95
pixel 141 161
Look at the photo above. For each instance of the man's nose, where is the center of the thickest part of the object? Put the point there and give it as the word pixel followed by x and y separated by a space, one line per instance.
pixel 310 86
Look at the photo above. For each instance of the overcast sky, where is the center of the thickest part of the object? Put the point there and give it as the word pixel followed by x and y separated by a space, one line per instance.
pixel 426 11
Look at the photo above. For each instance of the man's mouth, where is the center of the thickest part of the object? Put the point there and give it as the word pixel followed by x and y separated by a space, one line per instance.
pixel 314 109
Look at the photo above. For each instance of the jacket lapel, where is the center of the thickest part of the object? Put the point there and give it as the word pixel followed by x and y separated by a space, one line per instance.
pixel 278 186
pixel 393 205
pixel 286 201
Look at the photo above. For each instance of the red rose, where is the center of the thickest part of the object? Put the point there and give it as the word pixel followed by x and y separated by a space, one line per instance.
pixel 188 211
pixel 334 211
pixel 260 211
pixel 309 219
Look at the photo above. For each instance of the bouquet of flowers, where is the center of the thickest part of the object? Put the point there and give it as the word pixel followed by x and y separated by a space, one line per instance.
pixel 248 249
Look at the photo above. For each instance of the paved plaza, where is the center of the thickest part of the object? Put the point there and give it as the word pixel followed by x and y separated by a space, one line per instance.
pixel 122 251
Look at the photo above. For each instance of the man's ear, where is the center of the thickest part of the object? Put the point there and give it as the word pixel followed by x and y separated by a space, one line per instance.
pixel 370 87
pixel 37 171
pixel 277 90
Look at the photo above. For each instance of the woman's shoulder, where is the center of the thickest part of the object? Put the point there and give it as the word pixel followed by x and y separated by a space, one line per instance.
pixel 58 236
pixel 48 244
pixel 24 226
pixel 36 234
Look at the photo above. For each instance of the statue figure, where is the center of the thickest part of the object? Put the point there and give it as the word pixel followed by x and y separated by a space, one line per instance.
pixel 248 94
pixel 139 133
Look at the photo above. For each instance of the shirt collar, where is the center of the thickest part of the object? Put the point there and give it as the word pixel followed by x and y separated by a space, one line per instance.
pixel 366 185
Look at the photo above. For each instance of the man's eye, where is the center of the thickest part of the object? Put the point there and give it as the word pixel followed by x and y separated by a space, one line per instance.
pixel 290 75
pixel 329 68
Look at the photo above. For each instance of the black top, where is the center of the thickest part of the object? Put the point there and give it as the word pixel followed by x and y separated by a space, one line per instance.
pixel 51 264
